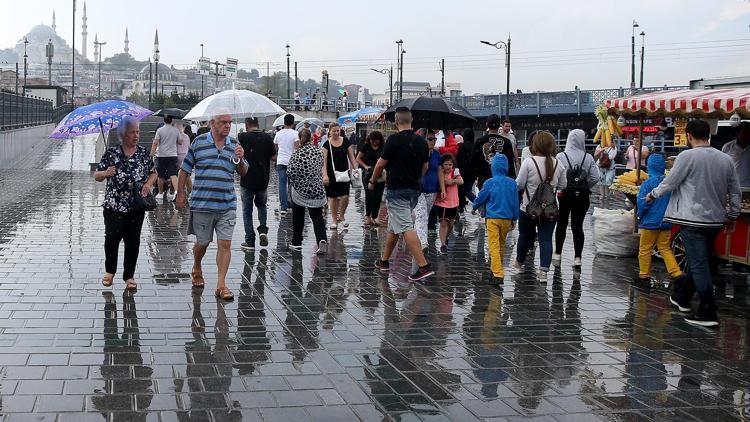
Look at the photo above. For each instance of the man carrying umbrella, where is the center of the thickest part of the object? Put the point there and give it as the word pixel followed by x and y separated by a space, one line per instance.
pixel 215 157
pixel 404 157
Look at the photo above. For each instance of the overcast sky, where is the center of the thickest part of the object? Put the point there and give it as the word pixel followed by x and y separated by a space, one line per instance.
pixel 555 45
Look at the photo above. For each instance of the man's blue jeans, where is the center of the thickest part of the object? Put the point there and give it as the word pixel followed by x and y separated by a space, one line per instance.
pixel 283 195
pixel 259 199
pixel 699 245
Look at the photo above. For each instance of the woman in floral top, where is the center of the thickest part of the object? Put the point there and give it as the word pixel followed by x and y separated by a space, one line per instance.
pixel 128 170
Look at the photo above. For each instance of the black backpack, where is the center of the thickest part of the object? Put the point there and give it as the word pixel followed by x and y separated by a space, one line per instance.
pixel 543 206
pixel 578 182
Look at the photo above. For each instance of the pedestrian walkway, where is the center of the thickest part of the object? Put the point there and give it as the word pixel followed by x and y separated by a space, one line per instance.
pixel 326 337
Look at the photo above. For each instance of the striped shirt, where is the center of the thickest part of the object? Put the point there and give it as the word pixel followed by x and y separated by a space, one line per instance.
pixel 213 190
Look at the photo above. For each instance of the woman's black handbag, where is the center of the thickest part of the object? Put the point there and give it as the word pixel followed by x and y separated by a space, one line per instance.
pixel 143 203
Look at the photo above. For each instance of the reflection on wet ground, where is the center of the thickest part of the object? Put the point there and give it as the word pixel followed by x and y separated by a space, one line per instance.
pixel 327 338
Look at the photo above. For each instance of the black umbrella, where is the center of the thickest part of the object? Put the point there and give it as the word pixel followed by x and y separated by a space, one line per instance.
pixel 177 113
pixel 433 113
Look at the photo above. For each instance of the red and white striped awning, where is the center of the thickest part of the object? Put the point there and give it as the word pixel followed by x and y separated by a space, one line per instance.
pixel 715 103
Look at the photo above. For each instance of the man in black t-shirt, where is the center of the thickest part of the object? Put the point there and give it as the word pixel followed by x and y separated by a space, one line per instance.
pixel 259 150
pixel 405 156
pixel 486 147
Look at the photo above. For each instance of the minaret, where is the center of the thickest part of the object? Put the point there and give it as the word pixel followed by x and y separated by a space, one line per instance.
pixel 156 41
pixel 54 24
pixel 127 43
pixel 96 48
pixel 84 34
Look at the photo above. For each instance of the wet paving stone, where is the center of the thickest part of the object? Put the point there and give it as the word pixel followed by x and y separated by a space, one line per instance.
pixel 326 337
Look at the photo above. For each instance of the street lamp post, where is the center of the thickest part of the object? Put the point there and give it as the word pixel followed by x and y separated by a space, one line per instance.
pixel 201 71
pixel 499 45
pixel 399 64
pixel 99 48
pixel 73 64
pixel 288 71
pixel 390 81
pixel 643 53
pixel 632 53
pixel 50 52
pixel 25 64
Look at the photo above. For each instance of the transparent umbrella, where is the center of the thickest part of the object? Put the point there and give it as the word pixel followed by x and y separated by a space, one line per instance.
pixel 239 103
pixel 280 120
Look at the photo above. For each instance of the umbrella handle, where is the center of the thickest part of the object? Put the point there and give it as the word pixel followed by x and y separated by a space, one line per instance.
pixel 236 160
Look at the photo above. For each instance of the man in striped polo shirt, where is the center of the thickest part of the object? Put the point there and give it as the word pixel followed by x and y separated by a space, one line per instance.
pixel 214 157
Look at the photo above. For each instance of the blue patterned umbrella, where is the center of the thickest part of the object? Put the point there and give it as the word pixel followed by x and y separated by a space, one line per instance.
pixel 97 117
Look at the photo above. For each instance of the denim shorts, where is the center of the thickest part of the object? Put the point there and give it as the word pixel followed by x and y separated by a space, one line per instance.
pixel 203 225
pixel 400 203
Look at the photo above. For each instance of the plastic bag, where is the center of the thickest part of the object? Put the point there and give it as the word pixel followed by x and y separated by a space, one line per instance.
pixel 613 233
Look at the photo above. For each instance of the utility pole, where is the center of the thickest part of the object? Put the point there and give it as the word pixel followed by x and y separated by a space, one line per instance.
pixel 16 78
pixel 632 52
pixel 99 48
pixel 25 64
pixel 399 58
pixel 268 77
pixel 288 84
pixel 442 78
pixel 50 52
pixel 643 53
pixel 73 67
pixel 295 77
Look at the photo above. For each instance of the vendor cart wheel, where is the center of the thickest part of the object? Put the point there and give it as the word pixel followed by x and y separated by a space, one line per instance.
pixel 678 248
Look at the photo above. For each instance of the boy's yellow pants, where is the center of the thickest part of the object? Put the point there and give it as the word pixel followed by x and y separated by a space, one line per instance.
pixel 497 232
pixel 660 239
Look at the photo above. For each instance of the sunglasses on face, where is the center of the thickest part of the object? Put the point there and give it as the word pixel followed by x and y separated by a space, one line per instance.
pixel 430 139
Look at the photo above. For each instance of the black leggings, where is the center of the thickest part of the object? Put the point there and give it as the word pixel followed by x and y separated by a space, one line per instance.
pixel 575 209
pixel 373 198
pixel 298 223
pixel 122 226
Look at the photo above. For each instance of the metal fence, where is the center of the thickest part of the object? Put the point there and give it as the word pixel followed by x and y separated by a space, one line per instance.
pixel 320 104
pixel 17 111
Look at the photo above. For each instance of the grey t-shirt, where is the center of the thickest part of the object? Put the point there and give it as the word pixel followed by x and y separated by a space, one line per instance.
pixel 168 136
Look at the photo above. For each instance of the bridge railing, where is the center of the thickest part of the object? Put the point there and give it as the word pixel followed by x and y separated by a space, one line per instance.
pixel 17 111
pixel 545 100
pixel 320 104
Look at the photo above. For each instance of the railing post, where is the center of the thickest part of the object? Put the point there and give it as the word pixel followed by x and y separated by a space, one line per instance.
pixel 578 100
pixel 538 104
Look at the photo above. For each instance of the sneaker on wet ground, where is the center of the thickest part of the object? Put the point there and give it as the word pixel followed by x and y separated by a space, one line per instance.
pixel 159 196
pixel 642 282
pixel 542 276
pixel 682 307
pixel 322 247
pixel 263 240
pixel 248 245
pixel 496 281
pixel 517 266
pixel 382 265
pixel 556 259
pixel 703 319
pixel 422 272
pixel 444 250
pixel 577 262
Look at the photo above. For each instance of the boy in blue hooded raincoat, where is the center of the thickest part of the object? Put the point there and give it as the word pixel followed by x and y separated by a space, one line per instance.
pixel 500 196
pixel 654 230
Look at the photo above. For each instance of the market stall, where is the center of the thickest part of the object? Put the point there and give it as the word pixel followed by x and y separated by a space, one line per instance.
pixel 711 104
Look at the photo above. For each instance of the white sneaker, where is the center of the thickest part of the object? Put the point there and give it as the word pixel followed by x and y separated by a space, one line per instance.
pixel 542 276
pixel 159 196
pixel 322 247
pixel 556 259
pixel 171 196
pixel 577 262
pixel 517 266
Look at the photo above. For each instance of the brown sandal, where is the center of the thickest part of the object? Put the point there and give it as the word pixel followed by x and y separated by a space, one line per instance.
pixel 131 285
pixel 197 277
pixel 224 293
pixel 107 280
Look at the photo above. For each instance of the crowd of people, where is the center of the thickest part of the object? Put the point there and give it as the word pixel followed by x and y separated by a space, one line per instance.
pixel 541 193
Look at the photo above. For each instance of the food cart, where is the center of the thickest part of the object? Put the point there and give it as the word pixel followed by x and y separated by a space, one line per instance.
pixel 725 104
